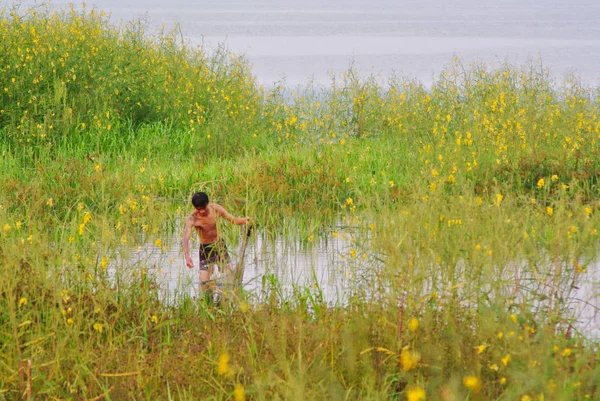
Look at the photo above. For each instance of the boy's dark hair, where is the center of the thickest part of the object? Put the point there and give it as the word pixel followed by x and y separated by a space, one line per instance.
pixel 200 199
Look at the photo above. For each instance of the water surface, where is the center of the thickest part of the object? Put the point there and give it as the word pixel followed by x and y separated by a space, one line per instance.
pixel 296 41
pixel 329 269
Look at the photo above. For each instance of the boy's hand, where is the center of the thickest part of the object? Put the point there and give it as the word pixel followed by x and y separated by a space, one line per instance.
pixel 188 262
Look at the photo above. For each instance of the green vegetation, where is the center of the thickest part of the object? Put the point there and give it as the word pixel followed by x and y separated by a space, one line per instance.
pixel 474 205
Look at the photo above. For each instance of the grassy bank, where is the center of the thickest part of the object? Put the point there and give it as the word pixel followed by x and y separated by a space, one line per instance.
pixel 474 205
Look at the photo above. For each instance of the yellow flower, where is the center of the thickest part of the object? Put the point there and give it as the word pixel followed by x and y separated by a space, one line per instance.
pixel 549 210
pixel 98 327
pixel 6 227
pixel 513 317
pixel 409 360
pixel 22 302
pixel 506 360
pixel 158 242
pixel 587 211
pixel 238 393
pixel 554 178
pixel 349 201
pixel 104 262
pixel 50 202
pixel 18 225
pixel 70 320
pixel 415 394
pixel 540 183
pixel 499 198
pixel 481 348
pixel 223 367
pixel 413 324
pixel 566 352
pixel 154 319
pixel 472 383
pixel 526 398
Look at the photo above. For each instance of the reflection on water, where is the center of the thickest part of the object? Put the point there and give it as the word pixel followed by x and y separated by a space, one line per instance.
pixel 332 268
pixel 586 302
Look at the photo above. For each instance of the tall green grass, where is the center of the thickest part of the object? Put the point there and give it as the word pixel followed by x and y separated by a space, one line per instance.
pixel 473 205
pixel 70 77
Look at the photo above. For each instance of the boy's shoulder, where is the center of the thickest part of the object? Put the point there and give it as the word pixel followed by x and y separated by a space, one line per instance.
pixel 217 207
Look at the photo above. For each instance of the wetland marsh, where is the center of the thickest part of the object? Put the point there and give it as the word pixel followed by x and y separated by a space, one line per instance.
pixel 457 222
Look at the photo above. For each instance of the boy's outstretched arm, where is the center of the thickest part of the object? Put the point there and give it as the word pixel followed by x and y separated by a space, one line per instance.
pixel 186 243
pixel 235 220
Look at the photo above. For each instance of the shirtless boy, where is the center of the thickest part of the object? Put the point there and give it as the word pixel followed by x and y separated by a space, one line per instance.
pixel 212 247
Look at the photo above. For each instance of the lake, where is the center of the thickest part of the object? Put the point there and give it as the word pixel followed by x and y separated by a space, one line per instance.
pixel 293 42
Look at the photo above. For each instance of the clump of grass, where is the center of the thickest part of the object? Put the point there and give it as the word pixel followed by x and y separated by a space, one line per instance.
pixel 71 77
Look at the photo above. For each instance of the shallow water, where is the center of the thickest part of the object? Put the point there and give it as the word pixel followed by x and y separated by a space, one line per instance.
pixel 297 41
pixel 291 264
pixel 327 268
